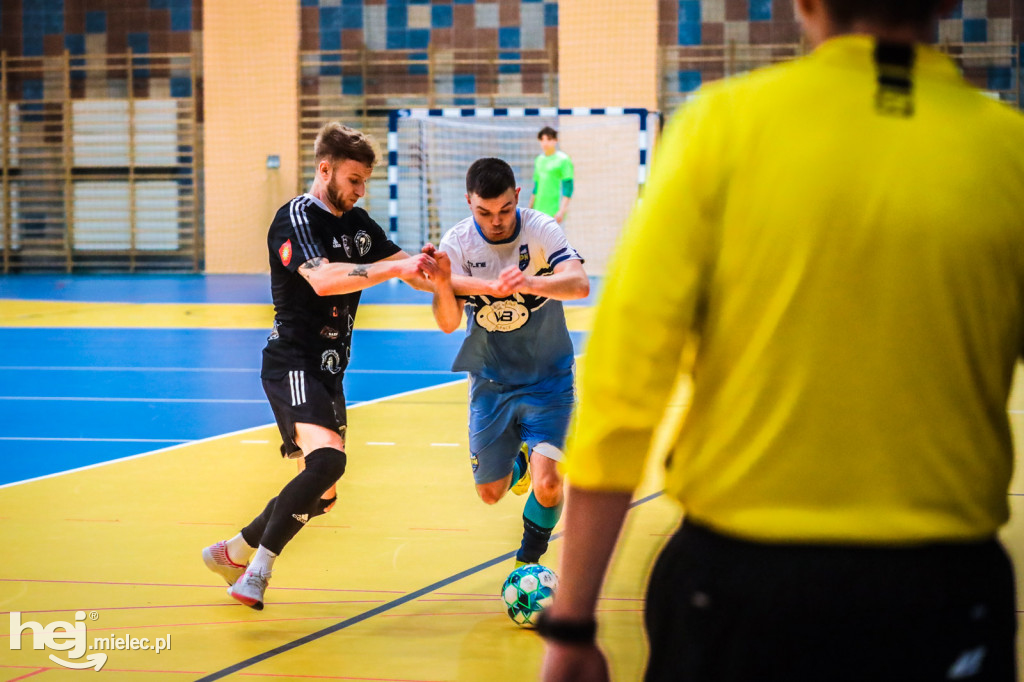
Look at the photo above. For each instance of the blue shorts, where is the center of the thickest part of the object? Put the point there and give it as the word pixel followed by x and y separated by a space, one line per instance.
pixel 502 417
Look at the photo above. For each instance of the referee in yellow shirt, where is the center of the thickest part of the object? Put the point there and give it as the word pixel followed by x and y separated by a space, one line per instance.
pixel 842 239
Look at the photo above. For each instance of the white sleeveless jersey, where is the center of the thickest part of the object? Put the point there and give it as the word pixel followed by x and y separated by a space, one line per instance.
pixel 520 339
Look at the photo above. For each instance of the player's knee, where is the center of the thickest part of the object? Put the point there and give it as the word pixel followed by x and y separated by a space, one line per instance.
pixel 547 481
pixel 327 464
pixel 548 490
pixel 322 506
pixel 490 494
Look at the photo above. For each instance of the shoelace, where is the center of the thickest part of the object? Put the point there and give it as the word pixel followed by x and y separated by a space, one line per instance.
pixel 257 580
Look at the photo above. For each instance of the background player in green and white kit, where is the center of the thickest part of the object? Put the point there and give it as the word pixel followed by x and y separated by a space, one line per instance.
pixel 552 177
pixel 511 268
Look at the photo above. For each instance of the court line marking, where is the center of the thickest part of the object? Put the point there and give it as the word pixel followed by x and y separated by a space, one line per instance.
pixel 89 399
pixel 247 370
pixel 395 603
pixel 217 437
pixel 96 440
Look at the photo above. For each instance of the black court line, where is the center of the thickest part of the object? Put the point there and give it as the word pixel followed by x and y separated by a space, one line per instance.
pixel 331 629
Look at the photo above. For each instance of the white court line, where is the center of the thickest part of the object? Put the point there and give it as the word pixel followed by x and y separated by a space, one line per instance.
pixel 380 442
pixel 87 399
pixel 213 438
pixel 54 368
pixel 69 368
pixel 98 440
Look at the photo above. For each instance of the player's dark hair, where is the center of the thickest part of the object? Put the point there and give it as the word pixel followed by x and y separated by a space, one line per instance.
pixel 489 178
pixel 548 131
pixel 885 12
pixel 337 143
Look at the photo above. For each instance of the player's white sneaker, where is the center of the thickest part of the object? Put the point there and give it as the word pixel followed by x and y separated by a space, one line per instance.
pixel 249 588
pixel 217 560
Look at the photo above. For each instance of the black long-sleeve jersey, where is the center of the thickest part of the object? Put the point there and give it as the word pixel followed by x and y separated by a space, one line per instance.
pixel 311 332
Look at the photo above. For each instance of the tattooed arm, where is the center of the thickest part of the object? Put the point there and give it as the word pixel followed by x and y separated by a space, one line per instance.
pixel 418 280
pixel 328 279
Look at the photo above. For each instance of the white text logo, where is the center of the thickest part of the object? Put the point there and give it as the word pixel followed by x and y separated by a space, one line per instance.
pixel 72 638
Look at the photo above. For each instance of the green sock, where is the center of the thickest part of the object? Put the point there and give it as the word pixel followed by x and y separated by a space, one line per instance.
pixel 538 522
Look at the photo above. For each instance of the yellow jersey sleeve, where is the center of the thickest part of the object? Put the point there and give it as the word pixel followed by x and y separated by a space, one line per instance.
pixel 647 308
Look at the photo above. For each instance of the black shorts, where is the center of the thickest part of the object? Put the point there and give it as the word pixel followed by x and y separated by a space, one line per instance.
pixel 306 397
pixel 728 610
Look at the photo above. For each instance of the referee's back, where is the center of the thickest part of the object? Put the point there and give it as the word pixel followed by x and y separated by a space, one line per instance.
pixel 852 225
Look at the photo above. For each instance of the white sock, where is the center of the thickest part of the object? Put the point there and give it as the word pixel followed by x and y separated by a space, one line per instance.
pixel 263 561
pixel 239 550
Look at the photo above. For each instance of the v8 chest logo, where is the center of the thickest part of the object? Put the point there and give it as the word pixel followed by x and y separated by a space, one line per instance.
pixel 502 316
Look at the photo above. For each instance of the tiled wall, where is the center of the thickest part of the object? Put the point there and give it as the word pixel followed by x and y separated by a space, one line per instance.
pixel 513 28
pixel 519 27
pixel 34 28
pixel 764 22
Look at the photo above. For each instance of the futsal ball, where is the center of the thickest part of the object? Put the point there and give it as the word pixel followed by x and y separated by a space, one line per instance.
pixel 527 591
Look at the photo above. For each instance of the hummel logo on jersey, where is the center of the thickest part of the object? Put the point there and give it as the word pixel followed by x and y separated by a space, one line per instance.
pixel 335 243
pixel 301 518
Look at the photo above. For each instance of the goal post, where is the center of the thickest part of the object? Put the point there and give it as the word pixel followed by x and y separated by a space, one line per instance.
pixel 429 151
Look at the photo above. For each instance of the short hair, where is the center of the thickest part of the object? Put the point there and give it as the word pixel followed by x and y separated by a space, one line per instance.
pixel 885 12
pixel 489 178
pixel 548 131
pixel 336 142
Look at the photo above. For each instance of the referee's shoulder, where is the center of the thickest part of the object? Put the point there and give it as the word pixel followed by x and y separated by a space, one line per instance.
pixel 749 83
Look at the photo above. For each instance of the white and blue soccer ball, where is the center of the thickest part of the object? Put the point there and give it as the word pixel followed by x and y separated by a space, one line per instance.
pixel 527 591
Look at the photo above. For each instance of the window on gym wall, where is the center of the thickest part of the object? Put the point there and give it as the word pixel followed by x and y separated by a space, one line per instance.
pixel 100 148
pixel 96 176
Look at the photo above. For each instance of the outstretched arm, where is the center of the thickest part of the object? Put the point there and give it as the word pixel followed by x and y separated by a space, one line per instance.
pixel 568 282
pixel 446 307
pixel 418 281
pixel 476 286
pixel 329 279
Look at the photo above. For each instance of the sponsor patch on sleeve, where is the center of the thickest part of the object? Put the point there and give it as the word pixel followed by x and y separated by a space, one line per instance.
pixel 286 252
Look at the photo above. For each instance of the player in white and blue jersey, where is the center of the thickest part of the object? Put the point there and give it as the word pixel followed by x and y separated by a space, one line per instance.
pixel 511 268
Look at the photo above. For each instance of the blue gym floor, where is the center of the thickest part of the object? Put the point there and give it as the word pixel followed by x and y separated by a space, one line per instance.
pixel 73 397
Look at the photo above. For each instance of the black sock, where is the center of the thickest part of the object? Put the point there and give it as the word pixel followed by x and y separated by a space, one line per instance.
pixel 535 542
pixel 254 531
pixel 301 496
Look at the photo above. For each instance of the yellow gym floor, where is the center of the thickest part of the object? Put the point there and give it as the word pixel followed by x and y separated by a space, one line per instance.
pixel 399 582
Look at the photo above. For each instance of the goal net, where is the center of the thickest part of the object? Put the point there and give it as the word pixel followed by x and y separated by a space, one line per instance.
pixel 429 151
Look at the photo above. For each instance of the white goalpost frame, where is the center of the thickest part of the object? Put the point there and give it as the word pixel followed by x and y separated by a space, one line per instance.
pixel 644 140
